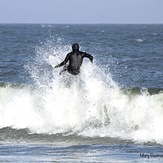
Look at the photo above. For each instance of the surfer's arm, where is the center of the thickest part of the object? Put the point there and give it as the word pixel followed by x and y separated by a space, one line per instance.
pixel 64 62
pixel 88 56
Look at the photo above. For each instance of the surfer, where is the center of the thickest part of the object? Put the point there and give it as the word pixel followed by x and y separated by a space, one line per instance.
pixel 75 58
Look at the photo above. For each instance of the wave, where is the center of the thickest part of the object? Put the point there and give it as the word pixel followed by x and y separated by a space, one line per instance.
pixel 90 105
pixel 139 40
pixel 24 136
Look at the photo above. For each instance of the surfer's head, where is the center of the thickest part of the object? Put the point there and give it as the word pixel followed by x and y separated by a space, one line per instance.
pixel 75 47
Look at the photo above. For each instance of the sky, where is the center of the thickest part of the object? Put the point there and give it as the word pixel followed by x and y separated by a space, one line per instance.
pixel 82 11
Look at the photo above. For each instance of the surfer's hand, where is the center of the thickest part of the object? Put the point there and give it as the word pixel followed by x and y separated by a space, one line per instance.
pixel 56 66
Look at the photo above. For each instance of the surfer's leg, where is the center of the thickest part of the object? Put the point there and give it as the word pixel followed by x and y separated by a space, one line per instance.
pixel 63 70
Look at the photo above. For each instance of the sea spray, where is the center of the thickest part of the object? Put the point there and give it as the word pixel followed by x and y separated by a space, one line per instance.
pixel 90 104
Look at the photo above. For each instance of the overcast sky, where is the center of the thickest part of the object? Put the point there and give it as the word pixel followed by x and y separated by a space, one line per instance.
pixel 81 11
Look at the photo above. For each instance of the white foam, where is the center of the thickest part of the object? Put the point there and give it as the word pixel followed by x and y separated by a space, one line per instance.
pixel 90 104
pixel 139 40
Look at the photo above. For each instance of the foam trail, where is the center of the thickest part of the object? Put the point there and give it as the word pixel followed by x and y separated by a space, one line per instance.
pixel 90 104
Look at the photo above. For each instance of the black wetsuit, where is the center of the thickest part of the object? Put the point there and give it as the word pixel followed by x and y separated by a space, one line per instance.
pixel 75 59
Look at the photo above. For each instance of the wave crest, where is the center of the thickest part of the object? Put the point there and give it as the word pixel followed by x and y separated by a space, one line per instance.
pixel 90 104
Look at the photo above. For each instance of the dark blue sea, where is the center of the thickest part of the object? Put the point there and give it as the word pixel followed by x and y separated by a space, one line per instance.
pixel 111 112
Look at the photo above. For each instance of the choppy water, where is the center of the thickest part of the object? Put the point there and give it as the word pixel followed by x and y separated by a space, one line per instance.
pixel 111 112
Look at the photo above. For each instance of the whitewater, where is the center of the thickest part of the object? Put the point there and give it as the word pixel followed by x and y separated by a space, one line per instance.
pixel 90 104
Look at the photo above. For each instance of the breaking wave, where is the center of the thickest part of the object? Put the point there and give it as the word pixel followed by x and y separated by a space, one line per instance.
pixel 88 105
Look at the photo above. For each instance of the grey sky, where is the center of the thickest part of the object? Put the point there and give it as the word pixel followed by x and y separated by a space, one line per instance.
pixel 81 11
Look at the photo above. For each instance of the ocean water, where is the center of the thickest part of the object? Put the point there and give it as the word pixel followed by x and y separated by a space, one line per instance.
pixel 111 112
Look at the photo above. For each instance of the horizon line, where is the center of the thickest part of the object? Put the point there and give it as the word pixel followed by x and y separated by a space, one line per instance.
pixel 86 23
